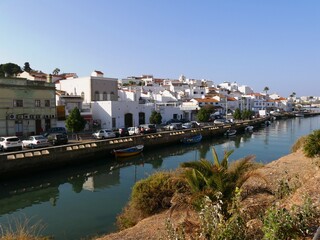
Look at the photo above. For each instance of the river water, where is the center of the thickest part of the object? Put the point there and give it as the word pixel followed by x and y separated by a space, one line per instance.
pixel 80 202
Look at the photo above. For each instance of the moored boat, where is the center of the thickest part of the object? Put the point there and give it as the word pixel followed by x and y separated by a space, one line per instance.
pixel 230 132
pixel 192 139
pixel 127 152
pixel 249 128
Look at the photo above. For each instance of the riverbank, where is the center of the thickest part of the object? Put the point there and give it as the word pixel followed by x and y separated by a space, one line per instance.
pixel 301 173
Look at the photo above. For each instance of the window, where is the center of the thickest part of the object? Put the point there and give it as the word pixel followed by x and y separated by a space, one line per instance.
pixel 104 96
pixel 96 95
pixel 113 122
pixel 37 103
pixel 17 103
pixel 47 103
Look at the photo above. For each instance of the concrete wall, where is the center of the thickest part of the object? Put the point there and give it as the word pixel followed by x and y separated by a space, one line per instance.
pixel 26 162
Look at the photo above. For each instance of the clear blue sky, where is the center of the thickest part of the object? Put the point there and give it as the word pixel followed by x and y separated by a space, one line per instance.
pixel 274 43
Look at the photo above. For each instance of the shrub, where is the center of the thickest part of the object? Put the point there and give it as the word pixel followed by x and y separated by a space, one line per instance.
pixel 311 146
pixel 284 224
pixel 150 196
pixel 298 144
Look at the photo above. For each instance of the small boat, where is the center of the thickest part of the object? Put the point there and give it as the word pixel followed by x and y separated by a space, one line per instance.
pixel 127 152
pixel 249 128
pixel 192 139
pixel 299 114
pixel 230 132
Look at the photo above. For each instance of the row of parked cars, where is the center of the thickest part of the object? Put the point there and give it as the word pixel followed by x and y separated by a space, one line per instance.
pixel 142 129
pixel 54 136
pixel 121 132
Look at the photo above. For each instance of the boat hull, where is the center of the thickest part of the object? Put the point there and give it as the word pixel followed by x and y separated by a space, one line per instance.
pixel 128 152
pixel 192 139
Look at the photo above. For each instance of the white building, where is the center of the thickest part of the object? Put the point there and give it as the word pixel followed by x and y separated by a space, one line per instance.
pixel 93 88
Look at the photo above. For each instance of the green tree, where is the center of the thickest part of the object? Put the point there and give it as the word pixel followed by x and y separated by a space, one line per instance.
pixel 204 113
pixel 237 114
pixel 247 114
pixel 75 122
pixel 9 69
pixel 266 89
pixel 155 118
pixel 27 67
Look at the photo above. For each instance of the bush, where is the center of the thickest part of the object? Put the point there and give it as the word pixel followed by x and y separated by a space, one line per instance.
pixel 285 224
pixel 149 196
pixel 298 144
pixel 311 146
pixel 153 194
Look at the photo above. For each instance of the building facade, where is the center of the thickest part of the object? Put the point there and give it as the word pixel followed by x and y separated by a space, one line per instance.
pixel 26 107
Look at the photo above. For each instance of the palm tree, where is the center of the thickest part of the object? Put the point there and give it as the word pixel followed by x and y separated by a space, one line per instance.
pixel 208 177
pixel 56 71
pixel 266 89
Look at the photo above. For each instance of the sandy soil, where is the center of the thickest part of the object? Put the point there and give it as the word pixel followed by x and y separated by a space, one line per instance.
pixel 300 172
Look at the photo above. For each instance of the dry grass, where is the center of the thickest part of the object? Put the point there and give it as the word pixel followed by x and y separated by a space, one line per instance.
pixel 23 229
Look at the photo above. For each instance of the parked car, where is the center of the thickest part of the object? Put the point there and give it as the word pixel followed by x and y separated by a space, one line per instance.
pixel 104 133
pixel 173 126
pixel 189 125
pixel 133 131
pixel 173 121
pixel 55 130
pixel 57 138
pixel 35 142
pixel 10 143
pixel 122 132
pixel 148 128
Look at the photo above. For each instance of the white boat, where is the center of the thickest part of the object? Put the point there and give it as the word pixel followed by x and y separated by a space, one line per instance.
pixel 249 128
pixel 230 132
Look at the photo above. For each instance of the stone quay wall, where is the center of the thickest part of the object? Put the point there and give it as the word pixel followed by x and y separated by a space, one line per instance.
pixel 28 161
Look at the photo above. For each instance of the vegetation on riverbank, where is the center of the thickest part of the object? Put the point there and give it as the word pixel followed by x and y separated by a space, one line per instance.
pixel 258 204
pixel 23 229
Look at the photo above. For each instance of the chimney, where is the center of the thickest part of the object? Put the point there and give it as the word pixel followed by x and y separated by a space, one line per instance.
pixel 49 78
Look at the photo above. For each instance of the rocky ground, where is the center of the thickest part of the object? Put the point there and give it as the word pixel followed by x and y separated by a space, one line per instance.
pixel 300 172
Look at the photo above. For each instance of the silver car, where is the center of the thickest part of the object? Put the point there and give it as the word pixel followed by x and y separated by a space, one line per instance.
pixel 35 142
pixel 104 133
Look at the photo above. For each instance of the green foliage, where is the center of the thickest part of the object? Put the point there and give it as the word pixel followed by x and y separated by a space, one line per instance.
pixel 278 224
pixel 241 115
pixel 27 67
pixel 298 144
pixel 311 146
pixel 203 114
pixel 75 122
pixel 247 114
pixel 215 225
pixel 148 194
pixel 217 176
pixel 155 118
pixel 283 224
pixel 237 114
pixel 9 69
pixel 56 71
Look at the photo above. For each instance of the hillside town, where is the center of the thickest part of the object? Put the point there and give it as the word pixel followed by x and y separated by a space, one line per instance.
pixel 34 101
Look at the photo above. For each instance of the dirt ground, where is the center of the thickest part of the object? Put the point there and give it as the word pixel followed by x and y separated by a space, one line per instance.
pixel 301 173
